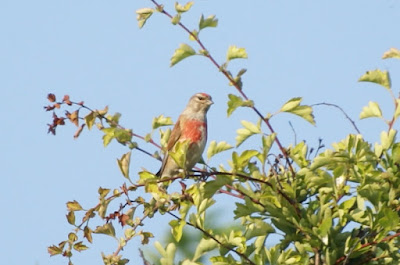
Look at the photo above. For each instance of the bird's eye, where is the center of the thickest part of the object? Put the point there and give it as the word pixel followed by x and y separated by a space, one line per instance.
pixel 200 98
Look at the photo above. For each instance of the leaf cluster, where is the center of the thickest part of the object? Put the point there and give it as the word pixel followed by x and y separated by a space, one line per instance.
pixel 339 207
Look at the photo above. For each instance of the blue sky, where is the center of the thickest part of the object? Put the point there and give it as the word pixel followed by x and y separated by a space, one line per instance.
pixel 94 51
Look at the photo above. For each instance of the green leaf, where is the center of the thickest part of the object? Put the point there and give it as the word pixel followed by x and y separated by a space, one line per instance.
pixel 202 51
pixel 177 228
pixel 164 136
pixel 129 233
pixel 106 229
pixel 258 228
pixel 181 53
pixel 324 228
pixel 74 206
pixel 215 148
pixel 387 139
pixel 248 130
pixel 235 53
pixel 396 153
pixel 212 186
pixel 204 246
pixel 179 153
pixel 244 158
pixel 391 53
pixel 146 176
pixel 90 119
pixel 305 112
pixel 346 205
pixel 293 106
pixel 254 128
pixel 389 220
pixel 143 15
pixel 378 77
pixel 123 164
pixel 181 9
pixel 161 121
pixel 123 135
pixel 372 110
pixel 176 19
pixel 168 254
pixel 147 137
pixel 114 119
pixel 235 102
pixel 194 36
pixel 210 21
pixel 321 161
pixel 108 135
pixel 267 142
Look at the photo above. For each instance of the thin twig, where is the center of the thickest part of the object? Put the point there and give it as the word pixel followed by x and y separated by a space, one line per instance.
pixel 145 261
pixel 294 133
pixel 344 113
pixel 120 247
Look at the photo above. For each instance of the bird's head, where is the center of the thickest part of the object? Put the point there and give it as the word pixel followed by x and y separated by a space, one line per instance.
pixel 200 102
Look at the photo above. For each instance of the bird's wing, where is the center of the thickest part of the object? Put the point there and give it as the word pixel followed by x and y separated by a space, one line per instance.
pixel 175 134
pixel 173 138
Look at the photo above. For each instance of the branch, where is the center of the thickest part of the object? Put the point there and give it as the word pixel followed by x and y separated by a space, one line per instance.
pixel 120 247
pixel 145 262
pixel 215 239
pixel 345 114
pixel 287 198
pixel 61 121
pixel 118 125
pixel 232 81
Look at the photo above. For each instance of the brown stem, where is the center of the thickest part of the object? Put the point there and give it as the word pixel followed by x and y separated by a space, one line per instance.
pixel 317 257
pixel 235 84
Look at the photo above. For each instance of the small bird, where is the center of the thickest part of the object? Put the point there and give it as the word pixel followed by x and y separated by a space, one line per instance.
pixel 191 126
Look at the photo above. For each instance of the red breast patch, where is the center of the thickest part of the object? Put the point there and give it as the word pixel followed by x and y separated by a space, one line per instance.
pixel 194 130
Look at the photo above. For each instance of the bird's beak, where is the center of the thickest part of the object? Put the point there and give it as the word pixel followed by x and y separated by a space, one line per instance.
pixel 210 102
